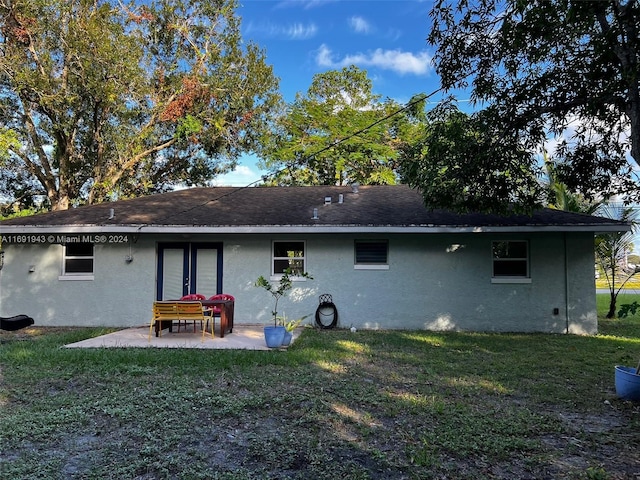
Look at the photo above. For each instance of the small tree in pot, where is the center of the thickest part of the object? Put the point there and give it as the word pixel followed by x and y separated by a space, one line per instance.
pixel 283 287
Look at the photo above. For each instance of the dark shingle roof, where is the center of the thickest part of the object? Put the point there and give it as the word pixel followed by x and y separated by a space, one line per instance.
pixel 373 206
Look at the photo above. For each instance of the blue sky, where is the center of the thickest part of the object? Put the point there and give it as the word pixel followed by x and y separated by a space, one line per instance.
pixel 387 38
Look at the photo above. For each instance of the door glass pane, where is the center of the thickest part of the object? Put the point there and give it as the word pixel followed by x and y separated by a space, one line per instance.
pixel 173 275
pixel 206 271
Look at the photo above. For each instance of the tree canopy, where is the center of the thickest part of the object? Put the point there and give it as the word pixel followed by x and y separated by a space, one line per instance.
pixel 335 134
pixel 103 98
pixel 567 69
pixel 460 162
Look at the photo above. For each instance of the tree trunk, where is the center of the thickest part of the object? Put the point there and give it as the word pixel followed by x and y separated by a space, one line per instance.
pixel 612 306
pixel 61 202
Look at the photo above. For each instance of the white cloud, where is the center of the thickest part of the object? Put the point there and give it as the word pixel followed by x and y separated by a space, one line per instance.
pixel 240 177
pixel 393 34
pixel 360 25
pixel 301 32
pixel 323 57
pixel 296 31
pixel 305 4
pixel 394 60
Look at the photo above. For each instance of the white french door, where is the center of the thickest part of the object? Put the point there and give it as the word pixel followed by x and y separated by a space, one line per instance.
pixel 188 268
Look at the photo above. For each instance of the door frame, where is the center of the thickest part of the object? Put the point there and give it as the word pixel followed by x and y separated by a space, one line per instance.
pixel 189 263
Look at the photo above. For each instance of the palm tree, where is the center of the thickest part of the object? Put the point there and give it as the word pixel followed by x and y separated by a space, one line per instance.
pixel 559 195
pixel 612 250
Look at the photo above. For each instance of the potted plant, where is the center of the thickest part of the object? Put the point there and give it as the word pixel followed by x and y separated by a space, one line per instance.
pixel 274 335
pixel 289 327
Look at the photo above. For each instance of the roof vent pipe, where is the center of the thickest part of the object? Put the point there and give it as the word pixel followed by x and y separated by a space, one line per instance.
pixel 341 198
pixel 112 213
pixel 354 187
pixel 315 214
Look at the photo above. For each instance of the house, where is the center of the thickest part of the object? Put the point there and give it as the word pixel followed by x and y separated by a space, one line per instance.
pixel 386 260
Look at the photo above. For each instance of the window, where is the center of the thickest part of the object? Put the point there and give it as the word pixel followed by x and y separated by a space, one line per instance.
pixel 78 259
pixel 510 259
pixel 288 255
pixel 371 254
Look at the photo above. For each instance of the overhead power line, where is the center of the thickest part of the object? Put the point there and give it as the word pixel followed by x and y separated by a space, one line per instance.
pixel 420 98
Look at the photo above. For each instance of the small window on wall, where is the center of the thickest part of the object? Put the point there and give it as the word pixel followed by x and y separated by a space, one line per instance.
pixel 77 260
pixel 288 255
pixel 510 260
pixel 371 255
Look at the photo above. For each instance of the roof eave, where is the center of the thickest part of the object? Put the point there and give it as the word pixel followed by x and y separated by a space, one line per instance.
pixel 8 230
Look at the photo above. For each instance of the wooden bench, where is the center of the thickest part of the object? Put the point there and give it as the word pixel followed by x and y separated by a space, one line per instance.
pixel 183 311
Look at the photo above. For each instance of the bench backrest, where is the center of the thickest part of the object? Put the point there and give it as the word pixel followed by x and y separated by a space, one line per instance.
pixel 190 310
pixel 178 310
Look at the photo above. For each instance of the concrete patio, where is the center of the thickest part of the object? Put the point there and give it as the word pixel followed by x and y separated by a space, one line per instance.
pixel 244 337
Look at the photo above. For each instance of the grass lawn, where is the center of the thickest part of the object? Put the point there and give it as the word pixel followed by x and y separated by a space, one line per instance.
pixel 336 405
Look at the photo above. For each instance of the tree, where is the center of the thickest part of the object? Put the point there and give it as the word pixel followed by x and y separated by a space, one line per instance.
pixel 285 284
pixel 568 68
pixel 334 134
pixel 103 98
pixel 560 197
pixel 459 162
pixel 612 250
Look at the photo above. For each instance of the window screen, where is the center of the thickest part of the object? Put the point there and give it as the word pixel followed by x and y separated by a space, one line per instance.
pixel 510 259
pixel 368 252
pixel 288 255
pixel 78 259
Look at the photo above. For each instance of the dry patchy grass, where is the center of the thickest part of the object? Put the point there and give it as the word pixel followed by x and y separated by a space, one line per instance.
pixel 369 405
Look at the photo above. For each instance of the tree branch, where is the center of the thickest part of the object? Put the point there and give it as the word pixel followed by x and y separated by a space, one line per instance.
pixel 116 175
pixel 48 179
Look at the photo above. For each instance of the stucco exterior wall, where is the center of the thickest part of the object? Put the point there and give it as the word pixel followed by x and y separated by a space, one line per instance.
pixel 435 282
pixel 119 294
pixel 443 282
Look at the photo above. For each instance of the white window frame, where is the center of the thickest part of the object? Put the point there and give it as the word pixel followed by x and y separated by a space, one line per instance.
pixel 303 258
pixel 511 278
pixel 371 265
pixel 79 275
